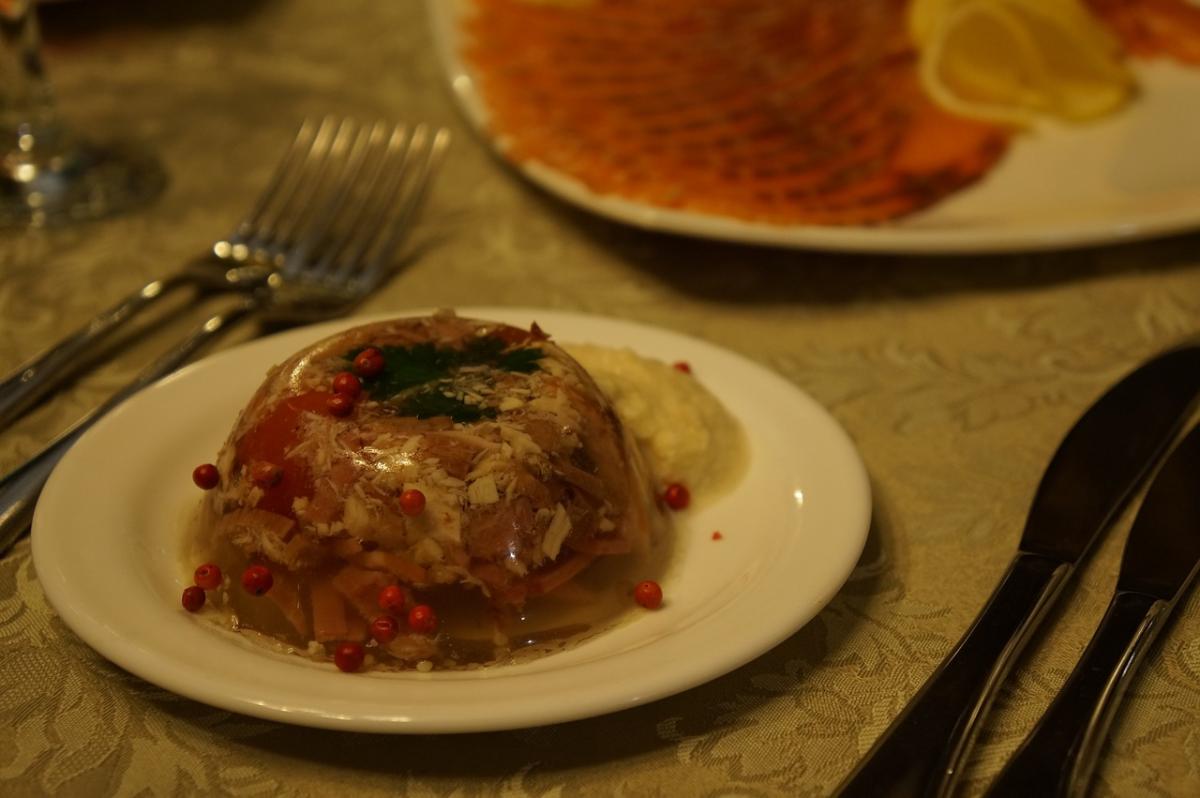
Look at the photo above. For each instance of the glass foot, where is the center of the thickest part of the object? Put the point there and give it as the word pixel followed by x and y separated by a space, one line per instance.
pixel 84 181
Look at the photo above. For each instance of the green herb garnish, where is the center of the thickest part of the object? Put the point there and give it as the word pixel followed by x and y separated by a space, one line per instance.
pixel 522 361
pixel 432 402
pixel 408 367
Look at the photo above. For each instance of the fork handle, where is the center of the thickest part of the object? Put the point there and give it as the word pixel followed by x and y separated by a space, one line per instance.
pixel 32 380
pixel 20 489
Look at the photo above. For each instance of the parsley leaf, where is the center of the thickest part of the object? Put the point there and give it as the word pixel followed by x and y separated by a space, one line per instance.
pixel 408 367
pixel 522 361
pixel 431 402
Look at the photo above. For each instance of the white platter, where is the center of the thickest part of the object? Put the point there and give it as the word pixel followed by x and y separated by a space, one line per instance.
pixel 108 544
pixel 1131 176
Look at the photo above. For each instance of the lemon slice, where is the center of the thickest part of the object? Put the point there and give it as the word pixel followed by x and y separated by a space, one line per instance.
pixel 1011 61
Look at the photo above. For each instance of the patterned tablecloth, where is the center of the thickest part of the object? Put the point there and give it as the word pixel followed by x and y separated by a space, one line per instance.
pixel 956 377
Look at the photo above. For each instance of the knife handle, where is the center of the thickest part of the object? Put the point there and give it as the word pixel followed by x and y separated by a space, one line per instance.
pixel 31 381
pixel 921 752
pixel 19 490
pixel 1062 750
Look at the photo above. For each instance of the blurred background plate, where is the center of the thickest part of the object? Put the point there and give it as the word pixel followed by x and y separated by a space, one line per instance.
pixel 1130 176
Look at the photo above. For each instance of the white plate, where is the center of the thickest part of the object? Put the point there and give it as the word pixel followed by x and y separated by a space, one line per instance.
pixel 108 543
pixel 1131 176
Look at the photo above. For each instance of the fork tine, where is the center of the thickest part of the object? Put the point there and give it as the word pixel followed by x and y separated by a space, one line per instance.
pixel 235 244
pixel 341 194
pixel 352 266
pixel 312 185
pixel 366 195
pixel 283 197
pixel 301 141
pixel 402 224
pixel 371 204
pixel 369 222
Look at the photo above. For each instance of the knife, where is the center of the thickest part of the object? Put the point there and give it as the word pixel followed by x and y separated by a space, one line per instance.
pixel 1161 558
pixel 1096 469
pixel 20 489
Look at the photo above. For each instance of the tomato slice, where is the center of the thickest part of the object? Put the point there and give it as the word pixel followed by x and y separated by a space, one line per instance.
pixel 270 441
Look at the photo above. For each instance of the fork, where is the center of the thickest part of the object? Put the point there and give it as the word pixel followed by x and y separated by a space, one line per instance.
pixel 250 254
pixel 342 252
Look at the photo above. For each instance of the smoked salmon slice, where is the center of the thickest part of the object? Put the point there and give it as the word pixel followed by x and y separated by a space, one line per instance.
pixel 1152 28
pixel 778 112
pixel 774 111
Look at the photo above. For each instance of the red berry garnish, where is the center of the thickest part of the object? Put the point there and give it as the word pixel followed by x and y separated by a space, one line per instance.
pixel 648 594
pixel 340 404
pixel 384 629
pixel 206 476
pixel 369 362
pixel 257 580
pixel 412 502
pixel 391 599
pixel 423 619
pixel 265 474
pixel 208 576
pixel 348 657
pixel 677 496
pixel 346 383
pixel 193 598
pixel 682 365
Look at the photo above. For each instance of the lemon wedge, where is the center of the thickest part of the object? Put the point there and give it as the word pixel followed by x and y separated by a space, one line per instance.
pixel 1012 61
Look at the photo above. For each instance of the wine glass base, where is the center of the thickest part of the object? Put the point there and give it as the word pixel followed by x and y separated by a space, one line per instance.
pixel 87 181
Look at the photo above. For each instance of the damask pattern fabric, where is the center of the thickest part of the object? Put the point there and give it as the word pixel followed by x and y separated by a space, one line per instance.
pixel 955 376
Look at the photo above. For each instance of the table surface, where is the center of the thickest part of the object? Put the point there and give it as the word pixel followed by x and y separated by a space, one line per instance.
pixel 955 376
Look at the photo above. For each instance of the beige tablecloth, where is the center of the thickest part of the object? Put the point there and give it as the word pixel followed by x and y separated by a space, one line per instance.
pixel 955 376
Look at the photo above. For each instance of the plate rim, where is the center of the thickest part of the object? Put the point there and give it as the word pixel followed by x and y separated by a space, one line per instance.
pixel 105 642
pixel 899 238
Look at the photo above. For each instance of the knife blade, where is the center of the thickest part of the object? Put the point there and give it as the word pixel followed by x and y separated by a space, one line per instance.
pixel 1098 466
pixel 1162 556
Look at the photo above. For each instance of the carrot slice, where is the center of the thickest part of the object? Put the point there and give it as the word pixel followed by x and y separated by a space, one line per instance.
pixel 286 596
pixel 401 567
pixel 328 610
pixel 558 574
pixel 361 586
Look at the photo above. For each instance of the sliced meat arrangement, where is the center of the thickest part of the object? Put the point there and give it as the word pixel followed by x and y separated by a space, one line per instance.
pixel 781 112
pixel 456 460
pixel 777 111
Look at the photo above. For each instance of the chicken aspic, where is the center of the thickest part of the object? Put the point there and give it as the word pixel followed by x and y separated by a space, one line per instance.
pixel 463 467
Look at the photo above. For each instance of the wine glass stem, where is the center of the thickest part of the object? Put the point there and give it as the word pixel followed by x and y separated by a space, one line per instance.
pixel 25 98
pixel 48 174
